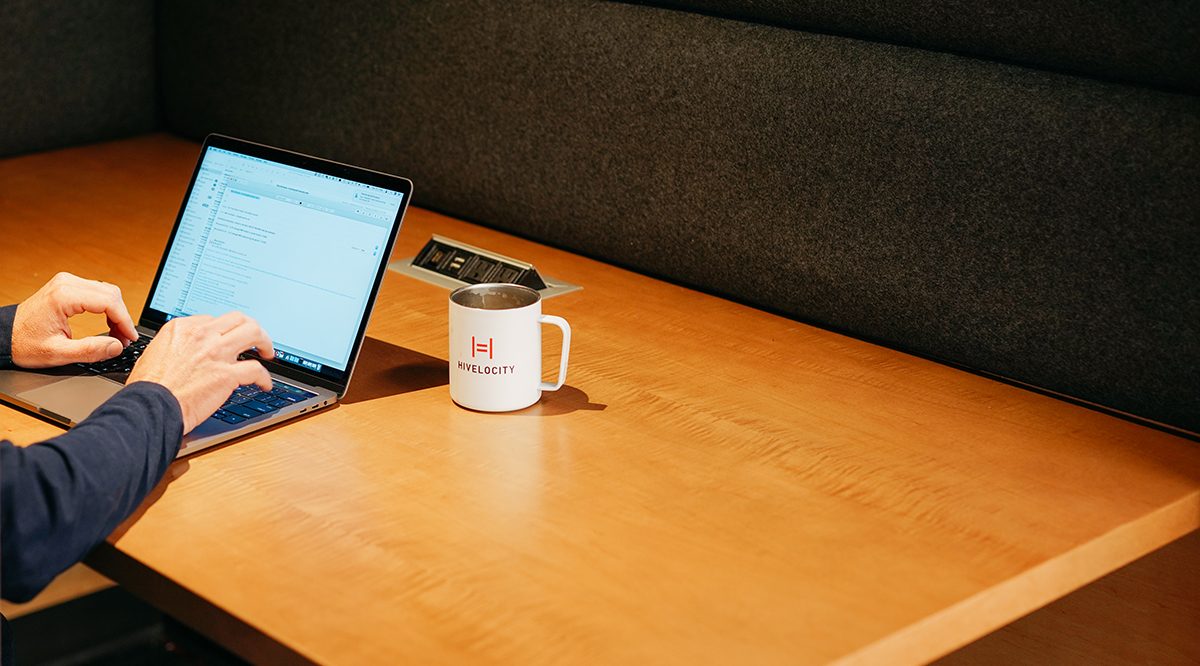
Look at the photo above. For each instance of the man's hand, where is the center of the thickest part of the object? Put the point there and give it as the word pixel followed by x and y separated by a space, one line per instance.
pixel 196 359
pixel 42 337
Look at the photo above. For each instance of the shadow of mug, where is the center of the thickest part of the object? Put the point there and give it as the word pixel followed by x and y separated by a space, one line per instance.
pixel 385 369
pixel 565 400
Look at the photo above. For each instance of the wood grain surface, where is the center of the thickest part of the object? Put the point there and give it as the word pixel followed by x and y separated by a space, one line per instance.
pixel 1147 612
pixel 714 485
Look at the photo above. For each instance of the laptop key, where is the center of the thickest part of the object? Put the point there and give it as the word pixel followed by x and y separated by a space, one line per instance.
pixel 288 389
pixel 241 411
pixel 222 415
pixel 259 406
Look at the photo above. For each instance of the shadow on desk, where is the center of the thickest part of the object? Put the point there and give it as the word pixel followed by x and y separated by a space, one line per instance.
pixel 385 369
pixel 563 401
pixel 176 470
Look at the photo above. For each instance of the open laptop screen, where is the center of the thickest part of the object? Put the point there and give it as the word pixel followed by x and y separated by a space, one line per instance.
pixel 300 249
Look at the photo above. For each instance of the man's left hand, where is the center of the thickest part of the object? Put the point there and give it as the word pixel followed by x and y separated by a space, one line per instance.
pixel 41 336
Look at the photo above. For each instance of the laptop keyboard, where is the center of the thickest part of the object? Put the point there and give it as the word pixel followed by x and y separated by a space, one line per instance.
pixel 250 401
pixel 118 367
pixel 245 402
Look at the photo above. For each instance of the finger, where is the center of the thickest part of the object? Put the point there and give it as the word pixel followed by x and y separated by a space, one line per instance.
pixel 103 298
pixel 253 372
pixel 119 320
pixel 87 350
pixel 229 321
pixel 246 335
pixel 265 348
pixel 115 331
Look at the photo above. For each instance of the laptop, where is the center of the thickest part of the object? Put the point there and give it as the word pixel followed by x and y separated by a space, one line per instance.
pixel 299 243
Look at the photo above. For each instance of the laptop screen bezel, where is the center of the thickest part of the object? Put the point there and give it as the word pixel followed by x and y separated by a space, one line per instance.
pixel 336 380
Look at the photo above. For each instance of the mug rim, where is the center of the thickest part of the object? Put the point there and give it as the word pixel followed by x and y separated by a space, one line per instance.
pixel 528 291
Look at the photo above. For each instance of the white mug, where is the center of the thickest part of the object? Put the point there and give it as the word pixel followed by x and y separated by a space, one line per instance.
pixel 496 347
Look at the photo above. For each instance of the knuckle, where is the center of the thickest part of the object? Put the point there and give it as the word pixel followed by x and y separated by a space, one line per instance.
pixel 57 286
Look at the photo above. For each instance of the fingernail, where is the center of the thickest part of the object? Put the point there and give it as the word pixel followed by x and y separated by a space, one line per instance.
pixel 114 348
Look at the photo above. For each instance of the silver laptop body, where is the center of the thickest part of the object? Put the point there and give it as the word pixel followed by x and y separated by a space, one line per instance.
pixel 297 242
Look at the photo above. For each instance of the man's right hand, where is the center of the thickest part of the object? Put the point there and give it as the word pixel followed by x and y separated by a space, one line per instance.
pixel 196 359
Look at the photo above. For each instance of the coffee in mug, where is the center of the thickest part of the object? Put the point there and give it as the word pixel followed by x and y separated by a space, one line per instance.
pixel 496 347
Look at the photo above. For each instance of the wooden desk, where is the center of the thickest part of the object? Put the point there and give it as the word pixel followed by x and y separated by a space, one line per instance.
pixel 715 485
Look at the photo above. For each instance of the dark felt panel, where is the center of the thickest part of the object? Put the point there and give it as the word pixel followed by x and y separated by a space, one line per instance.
pixel 75 72
pixel 1147 42
pixel 1039 226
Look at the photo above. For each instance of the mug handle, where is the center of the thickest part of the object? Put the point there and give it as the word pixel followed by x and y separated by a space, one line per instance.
pixel 566 350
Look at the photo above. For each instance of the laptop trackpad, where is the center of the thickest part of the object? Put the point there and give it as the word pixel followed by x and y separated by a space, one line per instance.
pixel 73 398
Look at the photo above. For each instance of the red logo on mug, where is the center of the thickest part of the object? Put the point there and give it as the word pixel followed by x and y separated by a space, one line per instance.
pixel 480 347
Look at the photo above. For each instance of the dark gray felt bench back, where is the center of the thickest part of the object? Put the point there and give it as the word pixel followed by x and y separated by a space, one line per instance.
pixel 1014 191
pixel 75 71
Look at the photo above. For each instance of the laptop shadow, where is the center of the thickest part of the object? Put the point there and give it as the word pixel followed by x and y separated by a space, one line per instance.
pixel 385 369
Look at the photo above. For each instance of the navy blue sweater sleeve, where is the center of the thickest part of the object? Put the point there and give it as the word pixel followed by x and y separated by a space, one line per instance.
pixel 60 498
pixel 7 314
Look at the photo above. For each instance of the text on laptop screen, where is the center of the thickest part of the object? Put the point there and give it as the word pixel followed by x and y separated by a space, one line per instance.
pixel 297 250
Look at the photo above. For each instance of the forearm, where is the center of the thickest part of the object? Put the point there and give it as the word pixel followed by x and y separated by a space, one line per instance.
pixel 60 498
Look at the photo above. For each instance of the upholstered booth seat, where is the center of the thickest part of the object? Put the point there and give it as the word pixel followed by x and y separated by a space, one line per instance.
pixel 1016 191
